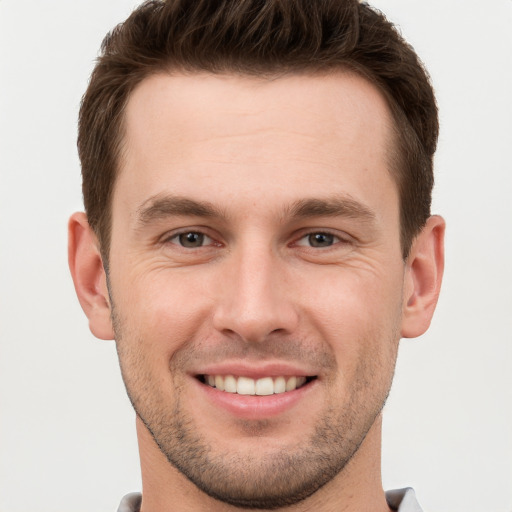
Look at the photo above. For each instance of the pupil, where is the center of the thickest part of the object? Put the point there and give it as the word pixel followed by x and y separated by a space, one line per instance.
pixel 321 239
pixel 191 239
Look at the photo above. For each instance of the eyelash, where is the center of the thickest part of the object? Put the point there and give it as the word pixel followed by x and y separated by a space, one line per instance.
pixel 336 239
pixel 200 233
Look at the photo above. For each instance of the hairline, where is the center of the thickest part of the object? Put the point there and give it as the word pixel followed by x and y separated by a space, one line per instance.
pixel 394 149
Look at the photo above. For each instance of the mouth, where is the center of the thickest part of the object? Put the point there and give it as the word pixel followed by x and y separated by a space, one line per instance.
pixel 255 387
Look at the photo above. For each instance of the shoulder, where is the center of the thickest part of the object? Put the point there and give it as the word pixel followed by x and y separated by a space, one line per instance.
pixel 130 503
pixel 403 500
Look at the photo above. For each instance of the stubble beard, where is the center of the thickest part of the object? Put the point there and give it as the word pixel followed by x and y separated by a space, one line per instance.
pixel 276 479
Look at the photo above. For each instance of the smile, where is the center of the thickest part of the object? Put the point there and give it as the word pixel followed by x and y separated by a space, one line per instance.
pixel 257 387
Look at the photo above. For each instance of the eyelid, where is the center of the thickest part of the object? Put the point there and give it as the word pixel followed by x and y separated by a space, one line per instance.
pixel 342 238
pixel 206 239
pixel 172 235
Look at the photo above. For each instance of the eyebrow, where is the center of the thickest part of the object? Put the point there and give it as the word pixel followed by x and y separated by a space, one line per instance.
pixel 336 206
pixel 157 208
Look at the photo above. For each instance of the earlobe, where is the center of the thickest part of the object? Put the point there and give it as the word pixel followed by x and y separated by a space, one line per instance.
pixel 424 273
pixel 89 276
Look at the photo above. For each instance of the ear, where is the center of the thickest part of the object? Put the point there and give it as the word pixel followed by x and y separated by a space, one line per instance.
pixel 423 276
pixel 89 277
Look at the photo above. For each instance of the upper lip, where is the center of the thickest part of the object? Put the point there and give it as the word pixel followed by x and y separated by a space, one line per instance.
pixel 255 371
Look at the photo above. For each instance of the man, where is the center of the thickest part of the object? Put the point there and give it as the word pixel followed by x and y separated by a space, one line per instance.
pixel 257 179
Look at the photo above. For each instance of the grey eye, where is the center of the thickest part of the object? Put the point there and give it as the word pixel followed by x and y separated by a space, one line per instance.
pixel 191 240
pixel 320 239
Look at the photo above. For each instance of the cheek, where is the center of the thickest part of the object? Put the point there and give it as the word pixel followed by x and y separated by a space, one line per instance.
pixel 358 315
pixel 165 309
pixel 155 320
pixel 347 297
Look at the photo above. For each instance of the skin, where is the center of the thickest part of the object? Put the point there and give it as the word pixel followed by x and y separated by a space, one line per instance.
pixel 259 171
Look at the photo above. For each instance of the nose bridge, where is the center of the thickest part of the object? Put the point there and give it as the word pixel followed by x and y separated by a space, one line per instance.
pixel 256 299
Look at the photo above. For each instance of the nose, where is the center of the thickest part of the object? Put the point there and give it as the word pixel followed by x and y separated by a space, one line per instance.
pixel 256 299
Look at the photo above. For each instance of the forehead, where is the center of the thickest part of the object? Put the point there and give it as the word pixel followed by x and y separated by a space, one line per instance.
pixel 296 132
pixel 201 104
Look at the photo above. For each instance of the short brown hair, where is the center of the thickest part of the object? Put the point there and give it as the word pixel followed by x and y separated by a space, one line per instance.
pixel 259 37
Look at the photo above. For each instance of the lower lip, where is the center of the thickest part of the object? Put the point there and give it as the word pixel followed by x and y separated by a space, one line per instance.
pixel 256 407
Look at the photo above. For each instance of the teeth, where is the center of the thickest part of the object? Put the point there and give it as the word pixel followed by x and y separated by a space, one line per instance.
pixel 219 382
pixel 265 386
pixel 230 384
pixel 279 385
pixel 244 386
pixel 291 383
pixel 247 386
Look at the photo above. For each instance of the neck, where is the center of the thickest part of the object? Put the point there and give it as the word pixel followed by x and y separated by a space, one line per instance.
pixel 357 487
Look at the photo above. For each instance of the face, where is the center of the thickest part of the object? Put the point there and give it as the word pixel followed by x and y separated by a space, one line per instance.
pixel 256 278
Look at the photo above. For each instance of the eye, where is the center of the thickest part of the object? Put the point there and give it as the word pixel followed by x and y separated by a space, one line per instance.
pixel 318 240
pixel 191 239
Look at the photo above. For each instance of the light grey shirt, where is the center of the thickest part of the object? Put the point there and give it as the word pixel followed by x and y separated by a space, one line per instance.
pixel 401 500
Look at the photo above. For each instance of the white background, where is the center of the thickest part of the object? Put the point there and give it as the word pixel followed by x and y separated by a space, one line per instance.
pixel 67 439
